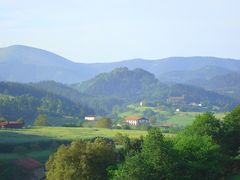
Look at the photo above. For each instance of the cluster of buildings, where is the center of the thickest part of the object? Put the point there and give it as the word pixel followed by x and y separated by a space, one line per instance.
pixel 131 120
pixel 11 124
pixel 136 121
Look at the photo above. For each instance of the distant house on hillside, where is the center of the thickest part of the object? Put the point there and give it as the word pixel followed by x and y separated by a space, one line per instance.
pixel 136 120
pixel 11 124
pixel 175 99
pixel 33 166
pixel 90 118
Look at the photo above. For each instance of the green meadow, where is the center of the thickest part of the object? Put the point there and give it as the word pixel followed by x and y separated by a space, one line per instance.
pixel 178 118
pixel 61 133
pixel 22 137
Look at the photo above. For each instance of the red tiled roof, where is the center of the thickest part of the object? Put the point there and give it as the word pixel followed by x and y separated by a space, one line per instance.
pixel 134 118
pixel 10 123
pixel 176 98
pixel 28 163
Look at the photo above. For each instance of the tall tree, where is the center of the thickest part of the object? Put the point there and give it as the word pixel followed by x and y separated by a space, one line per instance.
pixel 199 158
pixel 206 124
pixel 81 160
pixel 41 120
pixel 232 131
pixel 155 161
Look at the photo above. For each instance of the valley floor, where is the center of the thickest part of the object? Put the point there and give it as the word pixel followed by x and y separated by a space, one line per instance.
pixel 60 133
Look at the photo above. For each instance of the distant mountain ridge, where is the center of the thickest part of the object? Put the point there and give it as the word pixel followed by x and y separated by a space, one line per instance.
pixel 27 64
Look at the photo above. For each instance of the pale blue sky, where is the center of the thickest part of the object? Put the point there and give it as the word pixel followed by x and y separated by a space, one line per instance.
pixel 111 30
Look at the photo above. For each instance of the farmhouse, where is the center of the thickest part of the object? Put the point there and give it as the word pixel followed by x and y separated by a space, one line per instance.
pixel 175 99
pixel 136 120
pixel 11 124
pixel 90 118
pixel 33 166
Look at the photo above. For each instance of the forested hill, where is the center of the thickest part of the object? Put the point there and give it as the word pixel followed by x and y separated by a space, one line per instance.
pixel 136 85
pixel 120 82
pixel 102 105
pixel 228 84
pixel 26 102
pixel 59 89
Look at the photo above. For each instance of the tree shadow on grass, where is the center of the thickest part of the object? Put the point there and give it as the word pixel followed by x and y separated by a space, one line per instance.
pixel 9 141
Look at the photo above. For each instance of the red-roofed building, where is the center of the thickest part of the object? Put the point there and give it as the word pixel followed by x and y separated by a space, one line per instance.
pixel 32 165
pixel 176 99
pixel 136 120
pixel 11 124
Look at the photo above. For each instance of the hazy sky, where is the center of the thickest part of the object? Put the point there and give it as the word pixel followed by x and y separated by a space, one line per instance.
pixel 110 30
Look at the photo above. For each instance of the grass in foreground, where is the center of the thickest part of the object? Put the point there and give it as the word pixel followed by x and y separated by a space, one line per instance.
pixel 60 133
pixel 41 155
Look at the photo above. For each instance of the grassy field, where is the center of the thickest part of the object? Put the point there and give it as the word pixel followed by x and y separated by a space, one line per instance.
pixel 19 137
pixel 41 155
pixel 60 133
pixel 178 118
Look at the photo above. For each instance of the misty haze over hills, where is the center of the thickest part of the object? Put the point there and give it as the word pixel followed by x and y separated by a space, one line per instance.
pixel 27 64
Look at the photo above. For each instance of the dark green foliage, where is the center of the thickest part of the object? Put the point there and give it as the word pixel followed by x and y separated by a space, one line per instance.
pixel 102 105
pixel 81 160
pixel 201 151
pixel 26 102
pixel 130 146
pixel 199 158
pixel 126 127
pixel 11 171
pixel 232 131
pixel 120 82
pixel 23 106
pixel 129 86
pixel 104 123
pixel 206 124
pixel 154 161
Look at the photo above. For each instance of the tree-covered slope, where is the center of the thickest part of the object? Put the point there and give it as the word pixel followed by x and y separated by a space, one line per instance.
pixel 24 101
pixel 102 105
pixel 137 85
pixel 228 84
pixel 202 74
pixel 120 82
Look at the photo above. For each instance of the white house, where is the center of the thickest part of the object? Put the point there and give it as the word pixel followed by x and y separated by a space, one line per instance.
pixel 90 118
pixel 136 120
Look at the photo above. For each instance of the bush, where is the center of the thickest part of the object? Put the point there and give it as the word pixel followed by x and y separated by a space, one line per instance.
pixel 41 120
pixel 81 160
pixel 126 127
pixel 104 123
